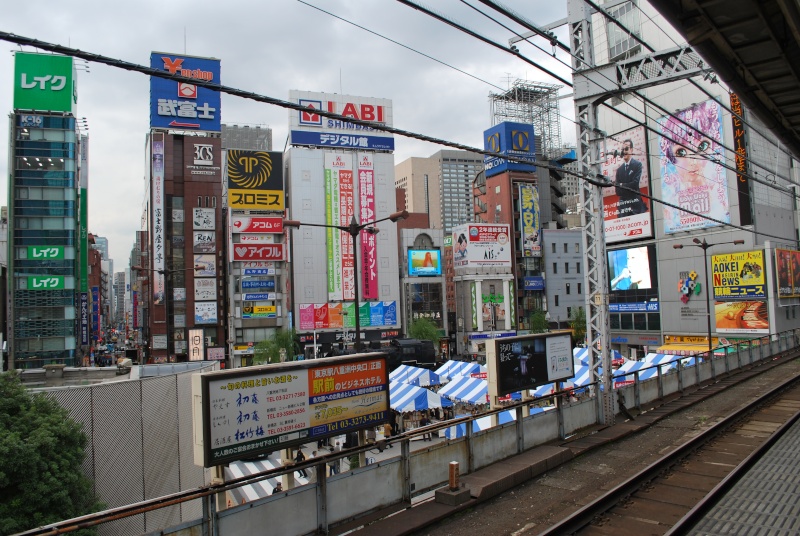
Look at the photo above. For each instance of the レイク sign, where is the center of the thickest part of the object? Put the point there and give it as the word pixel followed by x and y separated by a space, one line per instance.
pixel 44 82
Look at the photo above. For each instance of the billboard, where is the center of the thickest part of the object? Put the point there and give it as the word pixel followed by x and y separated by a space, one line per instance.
pixel 311 129
pixel 205 289
pixel 422 262
pixel 334 315
pixel 204 242
pixel 205 312
pixel 263 252
pixel 739 275
pixel 45 252
pixel 255 180
pixel 787 268
pixel 181 105
pixel 253 224
pixel 530 223
pixel 202 159
pixel 44 82
pixel 196 345
pixel 159 221
pixel 203 219
pixel 369 247
pixel 691 174
pixel 509 139
pixel 629 269
pixel 262 409
pixel 528 361
pixel 249 310
pixel 481 245
pixel 338 169
pixel 626 209
pixel 741 317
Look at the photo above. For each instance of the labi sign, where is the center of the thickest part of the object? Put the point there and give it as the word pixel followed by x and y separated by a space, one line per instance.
pixel 44 82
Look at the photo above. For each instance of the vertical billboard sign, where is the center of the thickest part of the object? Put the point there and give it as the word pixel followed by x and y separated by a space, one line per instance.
pixel 369 247
pixel 182 105
pixel 135 300
pixel 346 213
pixel 157 191
pixel 95 310
pixel 255 180
pixel 691 174
pixel 740 145
pixel 310 128
pixel 333 163
pixel 530 223
pixel 509 139
pixel 44 82
pixel 84 318
pixel 784 270
pixel 626 208
pixel 196 345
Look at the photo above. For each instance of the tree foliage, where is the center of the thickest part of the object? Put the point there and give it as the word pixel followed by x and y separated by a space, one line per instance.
pixel 41 452
pixel 423 329
pixel 269 350
pixel 577 322
pixel 538 322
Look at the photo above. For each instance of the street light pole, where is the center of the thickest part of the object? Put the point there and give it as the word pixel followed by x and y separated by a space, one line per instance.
pixel 702 244
pixel 354 230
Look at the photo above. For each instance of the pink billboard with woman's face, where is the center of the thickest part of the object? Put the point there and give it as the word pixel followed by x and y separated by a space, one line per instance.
pixel 692 178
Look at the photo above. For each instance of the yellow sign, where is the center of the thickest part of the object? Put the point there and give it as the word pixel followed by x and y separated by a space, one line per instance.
pixel 738 275
pixel 260 311
pixel 255 180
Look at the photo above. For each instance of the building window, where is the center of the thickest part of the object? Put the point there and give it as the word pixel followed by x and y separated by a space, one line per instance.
pixel 555 300
pixel 565 248
pixel 214 201
pixel 566 267
pixel 577 267
pixel 555 267
pixel 568 288
pixel 569 313
pixel 553 247
pixel 199 200
pixel 580 291
pixel 577 247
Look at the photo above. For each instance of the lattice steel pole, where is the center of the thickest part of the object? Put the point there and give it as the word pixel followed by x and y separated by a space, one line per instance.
pixel 596 277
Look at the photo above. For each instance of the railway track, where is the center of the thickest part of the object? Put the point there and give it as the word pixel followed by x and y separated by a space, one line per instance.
pixel 657 500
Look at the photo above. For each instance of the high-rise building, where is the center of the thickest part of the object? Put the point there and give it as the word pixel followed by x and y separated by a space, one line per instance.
pixel 252 138
pixel 43 213
pixel 440 185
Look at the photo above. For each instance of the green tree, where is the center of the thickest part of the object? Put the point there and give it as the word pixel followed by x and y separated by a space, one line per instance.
pixel 577 322
pixel 41 452
pixel 538 322
pixel 269 350
pixel 423 329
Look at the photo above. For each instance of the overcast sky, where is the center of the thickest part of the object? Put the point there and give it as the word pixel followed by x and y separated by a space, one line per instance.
pixel 270 48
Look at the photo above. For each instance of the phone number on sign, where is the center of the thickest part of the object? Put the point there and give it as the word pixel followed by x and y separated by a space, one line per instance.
pixel 287 428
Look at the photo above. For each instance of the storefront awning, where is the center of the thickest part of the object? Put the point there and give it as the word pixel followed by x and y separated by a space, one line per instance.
pixel 683 349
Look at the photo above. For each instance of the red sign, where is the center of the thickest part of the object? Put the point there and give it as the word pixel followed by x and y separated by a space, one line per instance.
pixel 265 252
pixel 244 224
pixel 481 375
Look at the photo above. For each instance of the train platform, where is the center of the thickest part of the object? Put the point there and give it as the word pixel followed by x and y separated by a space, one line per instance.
pixel 765 501
pixel 493 480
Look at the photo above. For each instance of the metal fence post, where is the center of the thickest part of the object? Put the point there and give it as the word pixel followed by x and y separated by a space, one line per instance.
pixel 520 430
pixel 405 459
pixel 470 450
pixel 636 394
pixel 322 498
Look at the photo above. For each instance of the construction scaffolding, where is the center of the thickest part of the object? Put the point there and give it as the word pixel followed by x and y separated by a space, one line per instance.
pixel 533 103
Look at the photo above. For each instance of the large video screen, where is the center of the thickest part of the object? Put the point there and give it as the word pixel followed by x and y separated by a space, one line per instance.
pixel 424 262
pixel 629 269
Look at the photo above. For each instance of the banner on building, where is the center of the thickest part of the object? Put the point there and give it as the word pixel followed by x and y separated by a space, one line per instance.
pixel 334 164
pixel 626 207
pixel 205 312
pixel 692 176
pixel 253 224
pixel 261 252
pixel 369 246
pixel 481 245
pixel 44 82
pixel 255 180
pixel 739 275
pixel 741 317
pixel 530 220
pixel 159 221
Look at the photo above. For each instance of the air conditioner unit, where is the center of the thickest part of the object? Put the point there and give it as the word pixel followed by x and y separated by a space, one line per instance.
pixel 208 341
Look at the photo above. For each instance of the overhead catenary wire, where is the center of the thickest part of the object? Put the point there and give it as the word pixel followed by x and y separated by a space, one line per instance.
pixel 129 66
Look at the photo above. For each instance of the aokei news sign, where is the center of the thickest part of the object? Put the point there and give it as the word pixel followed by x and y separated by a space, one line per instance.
pixel 44 82
pixel 261 409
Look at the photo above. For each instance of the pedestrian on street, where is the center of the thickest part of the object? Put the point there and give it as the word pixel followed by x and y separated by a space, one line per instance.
pixel 334 464
pixel 300 458
pixel 387 431
pixel 278 488
pixel 422 423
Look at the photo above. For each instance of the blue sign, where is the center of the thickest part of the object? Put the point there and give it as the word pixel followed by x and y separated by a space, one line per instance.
pixel 95 309
pixel 497 335
pixel 641 307
pixel 261 297
pixel 347 141
pixel 533 283
pixel 258 283
pixel 259 271
pixel 509 139
pixel 180 105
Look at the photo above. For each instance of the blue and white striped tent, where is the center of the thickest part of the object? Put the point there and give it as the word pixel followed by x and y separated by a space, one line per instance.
pixel 667 362
pixel 458 368
pixel 406 397
pixel 414 376
pixel 466 389
pixel 484 423
pixel 263 488
pixel 470 390
pixel 581 355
